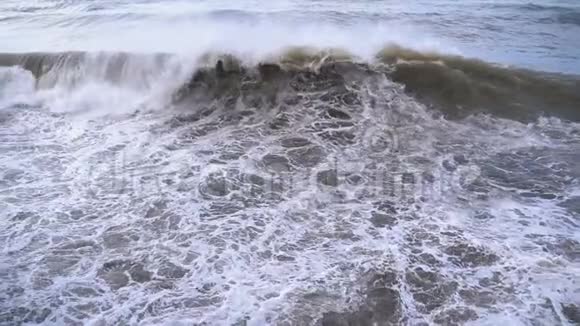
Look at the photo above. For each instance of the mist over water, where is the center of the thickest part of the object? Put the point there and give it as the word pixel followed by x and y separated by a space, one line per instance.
pixel 289 163
pixel 542 36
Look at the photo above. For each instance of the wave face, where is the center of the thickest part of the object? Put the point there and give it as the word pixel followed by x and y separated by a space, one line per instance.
pixel 305 187
pixel 455 86
pixel 461 86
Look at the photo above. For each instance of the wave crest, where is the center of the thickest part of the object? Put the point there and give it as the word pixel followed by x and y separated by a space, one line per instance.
pixel 455 85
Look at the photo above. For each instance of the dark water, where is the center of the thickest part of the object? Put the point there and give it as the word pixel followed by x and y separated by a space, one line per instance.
pixel 289 163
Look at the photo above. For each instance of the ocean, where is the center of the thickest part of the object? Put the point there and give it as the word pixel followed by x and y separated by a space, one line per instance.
pixel 293 162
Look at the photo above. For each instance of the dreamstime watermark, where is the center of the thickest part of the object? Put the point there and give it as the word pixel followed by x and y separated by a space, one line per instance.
pixel 362 176
pixel 341 179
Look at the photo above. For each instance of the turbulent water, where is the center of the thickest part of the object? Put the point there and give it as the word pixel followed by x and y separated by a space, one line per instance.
pixel 289 163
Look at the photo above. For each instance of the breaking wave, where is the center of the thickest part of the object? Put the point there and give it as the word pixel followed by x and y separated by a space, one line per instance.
pixel 305 187
pixel 454 85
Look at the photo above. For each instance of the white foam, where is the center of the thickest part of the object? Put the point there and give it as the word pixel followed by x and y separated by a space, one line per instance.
pixel 89 159
pixel 98 84
pixel 16 86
